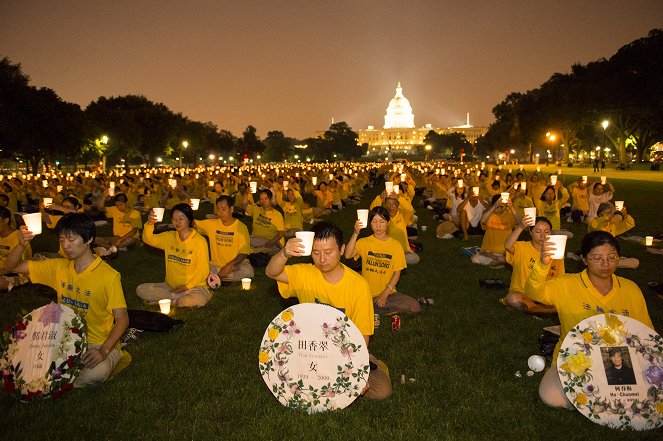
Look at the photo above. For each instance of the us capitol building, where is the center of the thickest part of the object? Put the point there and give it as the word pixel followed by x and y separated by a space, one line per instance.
pixel 399 136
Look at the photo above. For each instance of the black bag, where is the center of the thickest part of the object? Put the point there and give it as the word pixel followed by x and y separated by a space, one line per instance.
pixel 416 246
pixel 151 321
pixel 547 343
pixel 259 260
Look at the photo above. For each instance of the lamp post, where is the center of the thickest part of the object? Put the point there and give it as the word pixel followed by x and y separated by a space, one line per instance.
pixel 185 144
pixel 428 149
pixel 104 141
pixel 605 125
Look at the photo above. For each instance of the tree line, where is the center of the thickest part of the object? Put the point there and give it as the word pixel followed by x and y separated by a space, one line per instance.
pixel 623 93
pixel 39 128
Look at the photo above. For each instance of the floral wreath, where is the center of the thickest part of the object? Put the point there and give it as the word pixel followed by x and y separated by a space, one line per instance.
pixel 273 357
pixel 59 377
pixel 575 372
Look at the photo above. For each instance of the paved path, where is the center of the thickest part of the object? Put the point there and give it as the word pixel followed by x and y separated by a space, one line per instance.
pixel 611 173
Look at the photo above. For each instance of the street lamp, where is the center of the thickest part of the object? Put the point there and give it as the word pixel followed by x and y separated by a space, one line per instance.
pixel 185 144
pixel 605 125
pixel 428 149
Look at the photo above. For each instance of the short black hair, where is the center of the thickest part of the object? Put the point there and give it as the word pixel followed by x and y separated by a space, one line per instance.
pixel 5 213
pixel 225 197
pixel 267 191
pixel 596 239
pixel 79 224
pixel 549 187
pixel 379 210
pixel 542 219
pixel 186 210
pixel 121 197
pixel 73 201
pixel 325 230
pixel 495 198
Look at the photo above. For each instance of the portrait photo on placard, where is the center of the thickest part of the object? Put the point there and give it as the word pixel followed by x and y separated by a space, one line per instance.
pixel 618 365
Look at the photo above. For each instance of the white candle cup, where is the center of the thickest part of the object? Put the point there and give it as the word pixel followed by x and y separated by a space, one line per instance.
pixel 523 186
pixel 475 191
pixel 254 186
pixel 331 177
pixel 314 180
pixel 559 171
pixel 246 284
pixel 531 212
pixel 195 203
pixel 396 189
pixel 538 169
pixel 172 183
pixel 111 191
pixel 111 184
pixel 48 202
pixel 460 183
pixel 619 205
pixel 58 188
pixel 443 171
pixel 164 306
pixel 403 176
pixel 553 179
pixel 362 215
pixel 210 183
pixel 307 240
pixel 159 211
pixel 505 197
pixel 559 241
pixel 584 179
pixel 604 179
pixel 389 187
pixel 649 241
pixel 285 185
pixel 424 228
pixel 33 222
pixel 44 183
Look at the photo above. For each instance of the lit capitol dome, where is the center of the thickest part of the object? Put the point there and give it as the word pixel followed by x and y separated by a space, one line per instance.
pixel 399 113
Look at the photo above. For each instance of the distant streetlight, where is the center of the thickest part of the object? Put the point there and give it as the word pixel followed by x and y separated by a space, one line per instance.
pixel 605 125
pixel 185 144
pixel 211 157
pixel 428 148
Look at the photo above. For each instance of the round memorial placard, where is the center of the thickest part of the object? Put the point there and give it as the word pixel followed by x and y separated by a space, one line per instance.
pixel 312 357
pixel 41 352
pixel 611 368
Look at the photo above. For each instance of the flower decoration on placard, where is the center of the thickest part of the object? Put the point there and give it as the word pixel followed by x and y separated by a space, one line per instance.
pixel 65 361
pixel 624 409
pixel 277 348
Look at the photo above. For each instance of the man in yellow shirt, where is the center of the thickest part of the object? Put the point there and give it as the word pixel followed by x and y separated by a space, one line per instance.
pixel 330 282
pixel 88 285
pixel 230 242
pixel 126 225
pixel 268 226
pixel 398 228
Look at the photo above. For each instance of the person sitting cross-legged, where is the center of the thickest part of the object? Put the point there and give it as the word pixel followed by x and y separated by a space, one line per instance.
pixel 85 283
pixel 329 282
pixel 230 242
pixel 186 256
pixel 382 260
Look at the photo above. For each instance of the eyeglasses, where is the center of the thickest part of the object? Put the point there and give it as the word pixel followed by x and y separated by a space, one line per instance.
pixel 603 260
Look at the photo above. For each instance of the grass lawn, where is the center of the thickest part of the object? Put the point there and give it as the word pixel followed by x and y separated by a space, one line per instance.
pixel 201 381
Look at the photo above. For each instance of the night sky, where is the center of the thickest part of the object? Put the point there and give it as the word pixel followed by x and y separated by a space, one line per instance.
pixel 293 65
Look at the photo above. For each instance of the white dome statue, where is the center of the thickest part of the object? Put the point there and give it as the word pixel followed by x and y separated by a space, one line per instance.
pixel 399 113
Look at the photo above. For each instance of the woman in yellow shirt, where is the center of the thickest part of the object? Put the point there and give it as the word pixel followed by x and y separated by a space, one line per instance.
pixel 579 296
pixel 521 255
pixel 549 205
pixel 382 259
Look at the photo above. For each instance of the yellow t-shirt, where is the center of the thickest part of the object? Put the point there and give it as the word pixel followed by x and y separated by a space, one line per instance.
pixel 227 241
pixel 379 260
pixel 351 295
pixel 293 214
pixel 498 228
pixel 576 299
pixel 324 200
pixel 266 223
pixel 9 243
pixel 187 262
pixel 580 201
pixel 93 293
pixel 124 222
pixel 522 261
pixel 603 223
pixel 521 203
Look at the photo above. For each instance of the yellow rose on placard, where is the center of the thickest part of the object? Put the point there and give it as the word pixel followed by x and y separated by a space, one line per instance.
pixel 588 337
pixel 659 407
pixel 581 399
pixel 273 333
pixel 577 364
pixel 263 357
pixel 287 316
